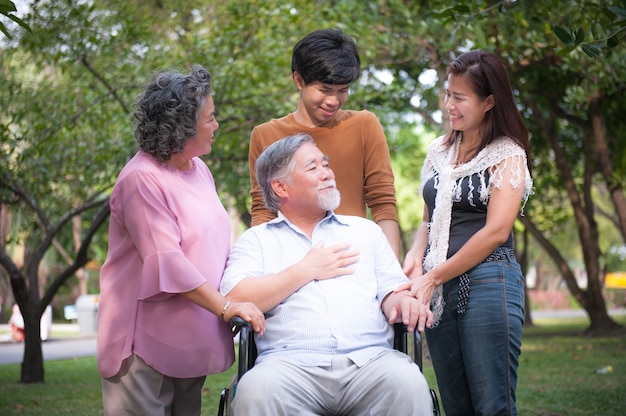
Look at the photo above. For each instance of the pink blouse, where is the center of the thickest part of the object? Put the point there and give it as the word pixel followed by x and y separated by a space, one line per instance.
pixel 168 234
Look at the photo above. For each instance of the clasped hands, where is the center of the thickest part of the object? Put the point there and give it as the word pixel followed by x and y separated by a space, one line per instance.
pixel 420 284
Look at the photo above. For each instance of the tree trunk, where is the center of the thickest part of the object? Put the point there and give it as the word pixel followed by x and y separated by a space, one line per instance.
pixel 615 185
pixel 591 301
pixel 582 203
pixel 523 261
pixel 32 364
pixel 26 291
pixel 81 274
pixel 601 323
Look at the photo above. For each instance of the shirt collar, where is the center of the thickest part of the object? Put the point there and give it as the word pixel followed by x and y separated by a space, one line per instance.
pixel 330 216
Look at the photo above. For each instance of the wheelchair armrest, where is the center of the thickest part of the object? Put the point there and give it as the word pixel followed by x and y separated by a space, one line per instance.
pixel 247 347
pixel 400 342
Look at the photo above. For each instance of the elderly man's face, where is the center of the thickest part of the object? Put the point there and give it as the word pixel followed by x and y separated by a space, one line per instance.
pixel 313 181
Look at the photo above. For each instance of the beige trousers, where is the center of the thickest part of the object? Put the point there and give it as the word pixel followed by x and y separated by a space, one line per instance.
pixel 140 390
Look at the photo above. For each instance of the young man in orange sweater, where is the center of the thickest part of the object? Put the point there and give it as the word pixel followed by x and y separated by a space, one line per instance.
pixel 324 65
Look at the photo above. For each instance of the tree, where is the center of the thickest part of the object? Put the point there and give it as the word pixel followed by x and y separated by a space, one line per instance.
pixel 573 105
pixel 63 140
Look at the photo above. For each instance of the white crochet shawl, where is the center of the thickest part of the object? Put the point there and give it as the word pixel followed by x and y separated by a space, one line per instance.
pixel 441 161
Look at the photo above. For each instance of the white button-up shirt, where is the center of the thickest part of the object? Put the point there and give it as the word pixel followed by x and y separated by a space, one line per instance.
pixel 323 318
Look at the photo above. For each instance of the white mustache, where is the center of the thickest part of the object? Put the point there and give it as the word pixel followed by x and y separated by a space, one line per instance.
pixel 327 184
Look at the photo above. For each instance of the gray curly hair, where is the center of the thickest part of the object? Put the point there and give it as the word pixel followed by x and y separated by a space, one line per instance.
pixel 167 111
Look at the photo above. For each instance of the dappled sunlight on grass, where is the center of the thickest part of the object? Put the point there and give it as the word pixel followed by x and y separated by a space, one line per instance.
pixel 559 371
pixel 72 387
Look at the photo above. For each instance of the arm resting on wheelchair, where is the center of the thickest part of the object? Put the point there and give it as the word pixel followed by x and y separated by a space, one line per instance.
pixel 247 347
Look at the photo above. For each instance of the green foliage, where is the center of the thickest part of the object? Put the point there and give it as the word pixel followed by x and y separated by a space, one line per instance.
pixel 409 151
pixel 603 28
pixel 7 8
pixel 615 258
pixel 96 56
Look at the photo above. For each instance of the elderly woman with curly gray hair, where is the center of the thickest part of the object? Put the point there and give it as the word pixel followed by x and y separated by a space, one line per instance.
pixel 162 323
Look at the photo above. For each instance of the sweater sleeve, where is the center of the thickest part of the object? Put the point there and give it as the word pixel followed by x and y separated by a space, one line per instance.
pixel 380 193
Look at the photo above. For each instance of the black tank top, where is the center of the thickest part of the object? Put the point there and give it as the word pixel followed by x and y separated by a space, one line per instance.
pixel 468 214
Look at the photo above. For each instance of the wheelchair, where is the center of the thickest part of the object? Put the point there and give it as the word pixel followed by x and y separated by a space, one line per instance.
pixel 248 353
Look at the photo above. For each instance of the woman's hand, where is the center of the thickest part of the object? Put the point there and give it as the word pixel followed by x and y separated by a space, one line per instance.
pixel 421 287
pixel 401 306
pixel 412 265
pixel 248 312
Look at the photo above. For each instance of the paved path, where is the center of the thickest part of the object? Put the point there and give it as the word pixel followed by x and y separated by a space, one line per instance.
pixel 71 344
pixel 53 349
pixel 571 313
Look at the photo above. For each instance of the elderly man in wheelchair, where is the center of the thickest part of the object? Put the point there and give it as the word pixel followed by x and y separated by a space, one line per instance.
pixel 326 284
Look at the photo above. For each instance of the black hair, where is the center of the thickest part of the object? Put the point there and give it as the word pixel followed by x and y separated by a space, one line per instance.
pixel 487 75
pixel 328 56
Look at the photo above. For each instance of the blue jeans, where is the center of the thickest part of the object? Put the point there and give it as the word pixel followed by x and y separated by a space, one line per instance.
pixel 475 353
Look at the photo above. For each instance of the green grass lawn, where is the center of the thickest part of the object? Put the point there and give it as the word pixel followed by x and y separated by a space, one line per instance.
pixel 557 378
pixel 558 372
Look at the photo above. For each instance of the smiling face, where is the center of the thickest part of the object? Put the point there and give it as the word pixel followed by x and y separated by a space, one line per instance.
pixel 312 185
pixel 319 102
pixel 202 142
pixel 466 109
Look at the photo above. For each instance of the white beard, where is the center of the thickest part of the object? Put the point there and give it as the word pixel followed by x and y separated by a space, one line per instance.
pixel 329 199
